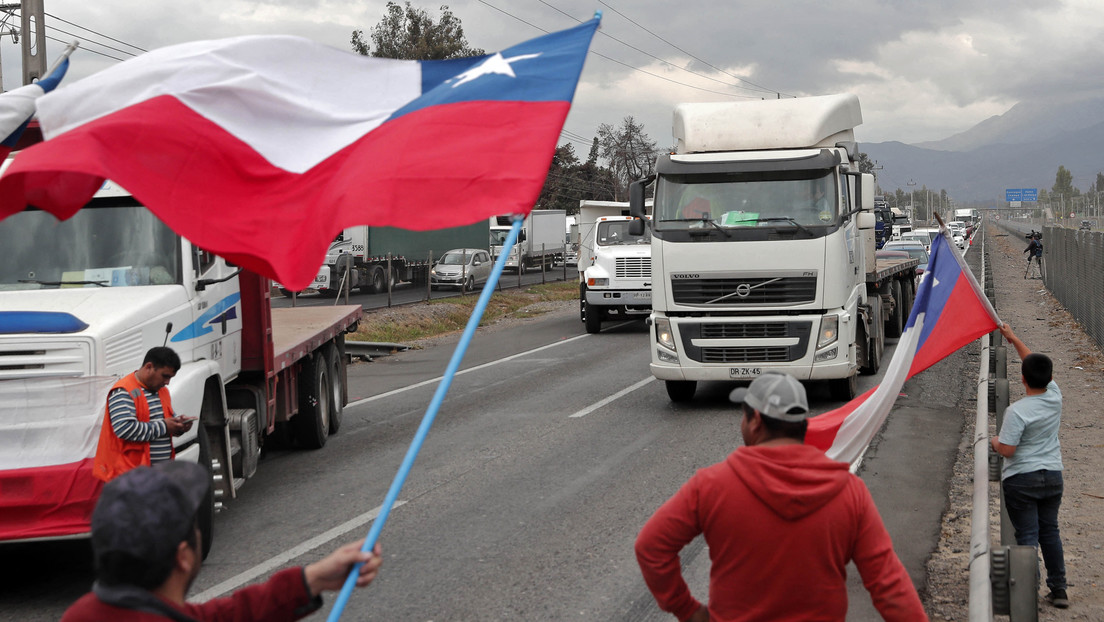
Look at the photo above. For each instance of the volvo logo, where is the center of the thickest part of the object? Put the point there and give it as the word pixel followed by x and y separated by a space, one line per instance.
pixel 678 275
pixel 743 290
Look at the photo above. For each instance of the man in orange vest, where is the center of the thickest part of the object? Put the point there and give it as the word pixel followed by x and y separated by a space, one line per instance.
pixel 139 421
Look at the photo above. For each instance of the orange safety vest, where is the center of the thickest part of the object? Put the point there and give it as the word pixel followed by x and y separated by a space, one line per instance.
pixel 114 456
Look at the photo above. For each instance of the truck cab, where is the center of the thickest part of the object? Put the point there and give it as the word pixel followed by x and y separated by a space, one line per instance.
pixel 615 265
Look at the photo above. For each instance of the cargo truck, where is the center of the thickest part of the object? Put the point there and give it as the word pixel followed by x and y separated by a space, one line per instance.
pixel 540 242
pixel 80 312
pixel 763 254
pixel 615 266
pixel 373 259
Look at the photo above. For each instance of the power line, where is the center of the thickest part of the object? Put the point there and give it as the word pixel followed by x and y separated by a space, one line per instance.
pixel 129 53
pixel 52 16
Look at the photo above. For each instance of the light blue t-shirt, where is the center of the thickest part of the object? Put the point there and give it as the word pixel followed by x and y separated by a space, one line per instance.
pixel 1031 425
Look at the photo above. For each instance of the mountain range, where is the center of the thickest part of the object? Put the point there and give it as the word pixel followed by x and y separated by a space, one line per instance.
pixel 1021 148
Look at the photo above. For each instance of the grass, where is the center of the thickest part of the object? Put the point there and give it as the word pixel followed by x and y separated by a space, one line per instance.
pixel 444 316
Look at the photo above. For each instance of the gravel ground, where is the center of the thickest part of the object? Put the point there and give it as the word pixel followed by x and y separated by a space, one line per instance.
pixel 1046 327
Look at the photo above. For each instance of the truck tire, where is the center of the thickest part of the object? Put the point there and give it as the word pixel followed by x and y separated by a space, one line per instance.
pixel 869 358
pixel 311 425
pixel 377 280
pixel 337 387
pixel 593 317
pixel 205 515
pixel 894 322
pixel 681 390
pixel 521 266
pixel 844 389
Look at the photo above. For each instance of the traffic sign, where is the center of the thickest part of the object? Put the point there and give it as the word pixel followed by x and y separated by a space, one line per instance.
pixel 1013 194
pixel 1030 194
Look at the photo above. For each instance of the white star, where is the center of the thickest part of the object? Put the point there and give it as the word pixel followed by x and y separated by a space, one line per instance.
pixel 494 64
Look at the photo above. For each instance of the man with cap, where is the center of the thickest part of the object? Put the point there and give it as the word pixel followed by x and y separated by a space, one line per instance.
pixel 147 546
pixel 781 521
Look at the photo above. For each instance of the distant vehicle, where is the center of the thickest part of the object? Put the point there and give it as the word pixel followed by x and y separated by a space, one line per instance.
pixel 1086 225
pixel 959 240
pixel 463 268
pixel 914 249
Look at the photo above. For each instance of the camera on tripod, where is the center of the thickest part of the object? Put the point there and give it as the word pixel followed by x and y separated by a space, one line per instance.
pixel 1036 235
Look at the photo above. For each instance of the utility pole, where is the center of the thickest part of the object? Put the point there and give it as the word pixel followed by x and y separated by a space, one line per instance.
pixel 33 18
pixel 8 11
pixel 912 198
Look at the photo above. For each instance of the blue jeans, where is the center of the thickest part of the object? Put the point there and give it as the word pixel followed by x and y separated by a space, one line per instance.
pixel 1032 500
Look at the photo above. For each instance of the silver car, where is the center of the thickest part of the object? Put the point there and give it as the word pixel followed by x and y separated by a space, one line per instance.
pixel 463 268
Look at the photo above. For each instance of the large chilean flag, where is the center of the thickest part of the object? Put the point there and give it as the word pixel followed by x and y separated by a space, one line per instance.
pixel 262 148
pixel 950 311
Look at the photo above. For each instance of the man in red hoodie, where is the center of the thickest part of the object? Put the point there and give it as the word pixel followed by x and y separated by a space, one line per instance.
pixel 781 521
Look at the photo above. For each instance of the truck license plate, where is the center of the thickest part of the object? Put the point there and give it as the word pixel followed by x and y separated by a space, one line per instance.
pixel 744 372
pixel 643 295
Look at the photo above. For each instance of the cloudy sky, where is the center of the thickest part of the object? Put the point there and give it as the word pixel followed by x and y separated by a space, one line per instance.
pixel 922 70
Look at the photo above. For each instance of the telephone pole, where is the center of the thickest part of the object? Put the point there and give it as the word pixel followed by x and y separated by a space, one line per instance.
pixel 5 29
pixel 33 28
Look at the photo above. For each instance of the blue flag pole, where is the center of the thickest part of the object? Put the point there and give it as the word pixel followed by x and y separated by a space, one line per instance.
pixel 427 419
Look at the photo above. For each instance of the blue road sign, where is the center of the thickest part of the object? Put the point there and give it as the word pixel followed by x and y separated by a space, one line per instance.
pixel 1030 194
pixel 1013 194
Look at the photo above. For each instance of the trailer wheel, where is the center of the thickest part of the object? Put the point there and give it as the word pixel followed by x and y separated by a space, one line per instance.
pixel 681 390
pixel 311 425
pixel 844 389
pixel 205 515
pixel 593 317
pixel 894 322
pixel 337 388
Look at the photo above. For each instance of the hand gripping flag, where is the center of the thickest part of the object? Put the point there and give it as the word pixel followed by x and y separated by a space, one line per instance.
pixel 262 148
pixel 949 312
pixel 18 105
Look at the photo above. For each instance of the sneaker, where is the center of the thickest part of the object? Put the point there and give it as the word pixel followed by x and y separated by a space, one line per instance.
pixel 1058 599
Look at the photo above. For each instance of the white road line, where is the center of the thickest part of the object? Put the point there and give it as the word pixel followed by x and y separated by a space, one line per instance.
pixel 461 372
pixel 284 558
pixel 623 392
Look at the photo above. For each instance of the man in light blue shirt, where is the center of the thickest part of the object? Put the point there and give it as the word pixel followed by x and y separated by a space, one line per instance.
pixel 1032 474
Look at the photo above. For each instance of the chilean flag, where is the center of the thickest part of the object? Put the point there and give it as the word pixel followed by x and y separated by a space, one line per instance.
pixel 18 106
pixel 262 148
pixel 949 312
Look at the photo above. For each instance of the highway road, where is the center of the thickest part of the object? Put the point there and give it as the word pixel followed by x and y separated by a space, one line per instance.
pixel 550 451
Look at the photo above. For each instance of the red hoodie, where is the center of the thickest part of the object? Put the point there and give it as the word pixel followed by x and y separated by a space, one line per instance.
pixel 781 523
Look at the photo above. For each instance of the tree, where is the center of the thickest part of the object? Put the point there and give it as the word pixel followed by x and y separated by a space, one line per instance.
pixel 1063 183
pixel 629 152
pixel 569 181
pixel 866 165
pixel 410 33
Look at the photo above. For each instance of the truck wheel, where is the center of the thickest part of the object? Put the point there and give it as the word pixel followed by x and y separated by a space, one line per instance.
pixel 337 388
pixel 844 389
pixel 327 293
pixel 205 515
pixel 894 322
pixel 521 266
pixel 378 281
pixel 311 425
pixel 681 390
pixel 593 317
pixel 286 292
pixel 869 359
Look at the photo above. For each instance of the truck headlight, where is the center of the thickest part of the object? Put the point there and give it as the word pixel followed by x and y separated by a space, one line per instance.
pixel 829 330
pixel 603 282
pixel 664 336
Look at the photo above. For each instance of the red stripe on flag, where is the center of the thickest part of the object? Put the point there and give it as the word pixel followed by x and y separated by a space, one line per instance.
pixel 963 319
pixel 439 167
pixel 47 502
pixel 822 428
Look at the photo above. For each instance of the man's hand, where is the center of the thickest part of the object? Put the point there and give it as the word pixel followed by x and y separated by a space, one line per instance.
pixel 330 573
pixel 1006 330
pixel 179 425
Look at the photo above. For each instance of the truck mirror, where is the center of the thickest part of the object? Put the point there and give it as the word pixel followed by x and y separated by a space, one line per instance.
pixel 636 199
pixel 636 226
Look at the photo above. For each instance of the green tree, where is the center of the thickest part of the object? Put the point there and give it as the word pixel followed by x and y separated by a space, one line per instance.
pixel 410 33
pixel 1063 183
pixel 866 165
pixel 629 153
pixel 570 181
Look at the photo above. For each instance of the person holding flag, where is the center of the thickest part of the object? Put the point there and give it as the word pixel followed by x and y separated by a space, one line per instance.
pixel 17 107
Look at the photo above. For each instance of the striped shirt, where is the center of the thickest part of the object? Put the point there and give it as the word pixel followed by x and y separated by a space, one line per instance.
pixel 125 423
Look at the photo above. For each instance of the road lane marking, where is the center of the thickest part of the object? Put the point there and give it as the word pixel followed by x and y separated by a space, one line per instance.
pixel 282 560
pixel 623 392
pixel 461 372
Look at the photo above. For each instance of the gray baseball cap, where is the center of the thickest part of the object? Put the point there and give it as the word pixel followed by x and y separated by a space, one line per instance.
pixel 775 395
pixel 148 511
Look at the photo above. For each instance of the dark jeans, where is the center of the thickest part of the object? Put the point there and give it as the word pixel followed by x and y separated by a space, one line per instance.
pixel 1032 500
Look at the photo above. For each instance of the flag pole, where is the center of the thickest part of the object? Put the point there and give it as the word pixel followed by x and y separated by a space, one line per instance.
pixel 69 49
pixel 430 415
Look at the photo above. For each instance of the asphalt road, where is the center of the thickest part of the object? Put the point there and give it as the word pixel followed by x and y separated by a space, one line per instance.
pixel 550 451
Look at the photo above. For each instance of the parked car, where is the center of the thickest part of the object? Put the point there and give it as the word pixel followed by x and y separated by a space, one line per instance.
pixel 464 268
pixel 914 250
pixel 1086 225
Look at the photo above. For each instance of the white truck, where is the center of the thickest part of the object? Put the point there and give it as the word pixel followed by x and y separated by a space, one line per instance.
pixel 615 266
pixel 540 241
pixel 80 312
pixel 763 248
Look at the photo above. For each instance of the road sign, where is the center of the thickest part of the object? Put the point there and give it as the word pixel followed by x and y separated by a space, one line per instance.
pixel 1030 194
pixel 1013 194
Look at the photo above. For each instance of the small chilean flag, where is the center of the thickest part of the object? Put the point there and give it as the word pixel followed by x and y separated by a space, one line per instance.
pixel 262 148
pixel 949 312
pixel 17 106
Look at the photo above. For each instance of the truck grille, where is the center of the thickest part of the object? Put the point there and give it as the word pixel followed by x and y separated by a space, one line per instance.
pixel 634 268
pixel 745 291
pixel 771 354
pixel 43 359
pixel 743 331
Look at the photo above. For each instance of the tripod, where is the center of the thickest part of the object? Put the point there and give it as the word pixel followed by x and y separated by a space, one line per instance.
pixel 1034 267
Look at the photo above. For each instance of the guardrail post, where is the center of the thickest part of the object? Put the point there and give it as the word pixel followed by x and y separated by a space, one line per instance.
pixel 1023 584
pixel 543 259
pixel 389 279
pixel 429 266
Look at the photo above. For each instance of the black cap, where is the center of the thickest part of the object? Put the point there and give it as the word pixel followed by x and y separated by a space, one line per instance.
pixel 148 511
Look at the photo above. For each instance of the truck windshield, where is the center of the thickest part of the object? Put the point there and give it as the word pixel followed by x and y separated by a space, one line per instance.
pixel 617 232
pixel 103 245
pixel 761 199
pixel 498 237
